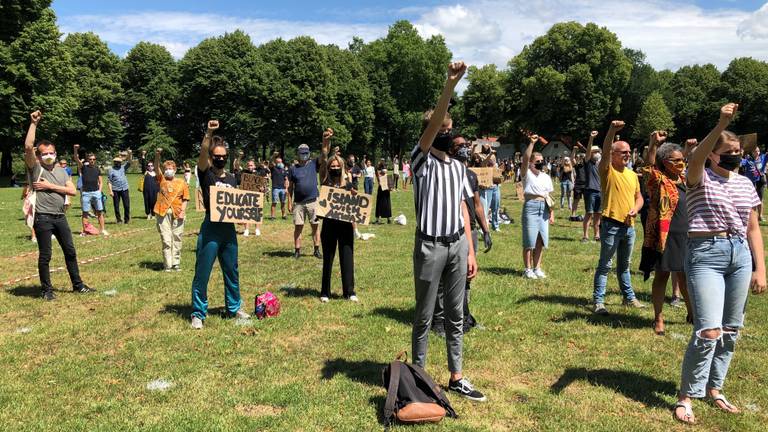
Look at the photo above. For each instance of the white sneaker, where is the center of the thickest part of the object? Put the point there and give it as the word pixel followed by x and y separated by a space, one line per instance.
pixel 539 273
pixel 149 217
pixel 34 240
pixel 104 232
pixel 324 299
pixel 257 232
pixel 197 323
pixel 353 298
pixel 357 234
pixel 497 229
pixel 241 314
pixel 246 233
pixel 530 274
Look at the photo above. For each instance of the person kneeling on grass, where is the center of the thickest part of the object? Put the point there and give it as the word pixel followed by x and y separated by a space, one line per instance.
pixel 51 184
pixel 216 239
pixel 170 210
pixel 443 249
pixel 335 232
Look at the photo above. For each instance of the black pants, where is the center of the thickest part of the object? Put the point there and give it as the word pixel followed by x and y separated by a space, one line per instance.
pixel 332 233
pixel 46 225
pixel 116 197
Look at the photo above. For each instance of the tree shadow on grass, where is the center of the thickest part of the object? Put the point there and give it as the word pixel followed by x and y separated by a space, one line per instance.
pixel 26 291
pixel 278 254
pixel 403 316
pixel 555 299
pixel 503 271
pixel 364 371
pixel 636 386
pixel 185 310
pixel 152 265
pixel 615 320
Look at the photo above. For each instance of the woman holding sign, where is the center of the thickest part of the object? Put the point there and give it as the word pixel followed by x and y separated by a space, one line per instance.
pixel 216 239
pixel 383 200
pixel 335 232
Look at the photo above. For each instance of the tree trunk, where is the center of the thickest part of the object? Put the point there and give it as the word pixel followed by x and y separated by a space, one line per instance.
pixel 6 163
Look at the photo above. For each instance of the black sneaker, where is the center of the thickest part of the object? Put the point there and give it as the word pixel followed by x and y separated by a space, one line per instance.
pixel 84 289
pixel 48 295
pixel 465 388
pixel 297 254
pixel 317 253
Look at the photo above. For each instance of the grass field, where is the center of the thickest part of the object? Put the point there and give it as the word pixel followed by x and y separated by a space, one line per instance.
pixel 84 362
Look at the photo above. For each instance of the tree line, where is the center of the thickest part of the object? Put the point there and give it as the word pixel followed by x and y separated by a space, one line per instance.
pixel 279 94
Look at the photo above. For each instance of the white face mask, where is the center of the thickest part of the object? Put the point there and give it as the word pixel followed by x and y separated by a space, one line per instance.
pixel 169 173
pixel 596 157
pixel 48 159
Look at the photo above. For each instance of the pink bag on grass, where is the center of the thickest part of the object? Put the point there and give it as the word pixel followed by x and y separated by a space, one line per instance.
pixel 267 305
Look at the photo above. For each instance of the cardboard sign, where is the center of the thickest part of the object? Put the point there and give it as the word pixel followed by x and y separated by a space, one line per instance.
pixel 249 182
pixel 748 142
pixel 199 203
pixel 236 205
pixel 384 182
pixel 484 176
pixel 340 204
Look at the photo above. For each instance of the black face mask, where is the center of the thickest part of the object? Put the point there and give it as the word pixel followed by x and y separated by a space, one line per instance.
pixel 117 165
pixel 539 165
pixel 442 141
pixel 335 172
pixel 729 162
pixel 219 163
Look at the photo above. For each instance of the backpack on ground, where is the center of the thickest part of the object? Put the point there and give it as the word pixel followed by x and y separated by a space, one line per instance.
pixel 412 395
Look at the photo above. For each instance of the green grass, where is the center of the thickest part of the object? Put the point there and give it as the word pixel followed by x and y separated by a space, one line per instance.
pixel 545 362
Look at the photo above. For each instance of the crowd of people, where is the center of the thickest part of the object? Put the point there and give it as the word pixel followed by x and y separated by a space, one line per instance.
pixel 700 221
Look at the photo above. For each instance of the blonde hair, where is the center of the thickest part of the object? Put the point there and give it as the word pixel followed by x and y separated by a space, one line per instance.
pixel 326 169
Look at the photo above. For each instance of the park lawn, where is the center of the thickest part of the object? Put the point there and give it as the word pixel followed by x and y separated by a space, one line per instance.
pixel 84 362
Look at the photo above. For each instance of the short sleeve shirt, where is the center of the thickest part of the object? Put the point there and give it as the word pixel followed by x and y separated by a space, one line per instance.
pixel 90 175
pixel 619 189
pixel 49 202
pixel 278 177
pixel 304 179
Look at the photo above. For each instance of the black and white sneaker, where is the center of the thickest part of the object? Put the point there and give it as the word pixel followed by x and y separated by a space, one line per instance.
pixel 48 295
pixel 84 289
pixel 465 388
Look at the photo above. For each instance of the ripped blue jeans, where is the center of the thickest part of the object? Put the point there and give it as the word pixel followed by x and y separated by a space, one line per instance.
pixel 719 271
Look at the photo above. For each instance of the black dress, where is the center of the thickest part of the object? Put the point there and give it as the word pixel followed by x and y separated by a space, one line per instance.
pixel 383 204
pixel 151 188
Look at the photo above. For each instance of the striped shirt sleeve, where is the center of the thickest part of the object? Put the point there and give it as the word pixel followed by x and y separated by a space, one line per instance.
pixel 419 161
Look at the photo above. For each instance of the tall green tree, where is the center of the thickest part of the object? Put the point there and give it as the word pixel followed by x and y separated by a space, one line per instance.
pixel 151 91
pixel 99 91
pixel 643 81
pixel 654 115
pixel 17 14
pixel 695 101
pixel 482 104
pixel 568 81
pixel 406 73
pixel 223 78
pixel 745 81
pixel 35 73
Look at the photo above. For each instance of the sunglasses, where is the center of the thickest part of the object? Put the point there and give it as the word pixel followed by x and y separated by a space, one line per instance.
pixel 625 152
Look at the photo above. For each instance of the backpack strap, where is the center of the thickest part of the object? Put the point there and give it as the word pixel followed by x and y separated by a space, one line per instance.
pixel 394 384
pixel 436 391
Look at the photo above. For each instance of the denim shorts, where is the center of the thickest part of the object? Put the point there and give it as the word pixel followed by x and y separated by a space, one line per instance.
pixel 592 201
pixel 92 201
pixel 278 195
pixel 535 223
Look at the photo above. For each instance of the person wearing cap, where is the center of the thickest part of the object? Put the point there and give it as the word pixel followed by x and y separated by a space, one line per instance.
pixel 302 195
pixel 620 206
pixel 118 185
pixel 592 191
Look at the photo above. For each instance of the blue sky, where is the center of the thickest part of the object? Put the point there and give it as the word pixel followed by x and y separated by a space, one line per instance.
pixel 671 33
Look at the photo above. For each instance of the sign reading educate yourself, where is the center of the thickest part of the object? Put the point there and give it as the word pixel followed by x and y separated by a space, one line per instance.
pixel 484 176
pixel 236 205
pixel 341 204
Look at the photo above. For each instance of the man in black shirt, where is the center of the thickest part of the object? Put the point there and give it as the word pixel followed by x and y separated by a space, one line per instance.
pixel 90 195
pixel 279 184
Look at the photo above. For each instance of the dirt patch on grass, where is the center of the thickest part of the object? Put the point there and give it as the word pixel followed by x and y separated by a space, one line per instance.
pixel 256 410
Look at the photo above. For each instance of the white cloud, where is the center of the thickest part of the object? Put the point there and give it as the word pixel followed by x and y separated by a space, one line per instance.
pixel 672 34
pixel 756 25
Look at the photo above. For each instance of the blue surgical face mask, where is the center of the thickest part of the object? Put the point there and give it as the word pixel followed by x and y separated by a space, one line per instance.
pixel 304 156
pixel 280 165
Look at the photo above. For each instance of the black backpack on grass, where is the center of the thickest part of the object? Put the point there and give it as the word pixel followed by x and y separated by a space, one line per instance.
pixel 412 395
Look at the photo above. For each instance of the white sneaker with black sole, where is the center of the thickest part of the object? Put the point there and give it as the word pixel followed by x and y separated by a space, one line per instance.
pixel 465 388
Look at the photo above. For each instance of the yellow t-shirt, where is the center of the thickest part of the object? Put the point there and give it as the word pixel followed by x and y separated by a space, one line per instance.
pixel 618 189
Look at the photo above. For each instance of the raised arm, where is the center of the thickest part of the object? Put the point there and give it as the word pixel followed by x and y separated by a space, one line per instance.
pixel 204 161
pixel 158 167
pixel 29 142
pixel 690 144
pixel 657 139
pixel 237 162
pixel 527 155
pixel 699 155
pixel 616 126
pixel 455 72
pixel 76 156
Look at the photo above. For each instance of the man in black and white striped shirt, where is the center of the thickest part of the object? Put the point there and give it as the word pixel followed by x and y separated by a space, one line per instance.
pixel 443 248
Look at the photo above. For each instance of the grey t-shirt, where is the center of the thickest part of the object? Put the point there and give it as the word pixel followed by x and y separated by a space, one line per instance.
pixel 48 201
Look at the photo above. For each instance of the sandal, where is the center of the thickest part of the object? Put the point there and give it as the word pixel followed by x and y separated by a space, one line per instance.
pixel 688 417
pixel 729 408
pixel 657 331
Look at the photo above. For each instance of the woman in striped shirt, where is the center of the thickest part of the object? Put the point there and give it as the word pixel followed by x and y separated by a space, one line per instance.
pixel 725 258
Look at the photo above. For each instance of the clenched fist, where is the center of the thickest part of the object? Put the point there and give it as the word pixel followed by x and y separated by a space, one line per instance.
pixel 658 137
pixel 327 134
pixel 728 112
pixel 593 134
pixel 456 70
pixel 36 116
pixel 213 125
pixel 617 125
